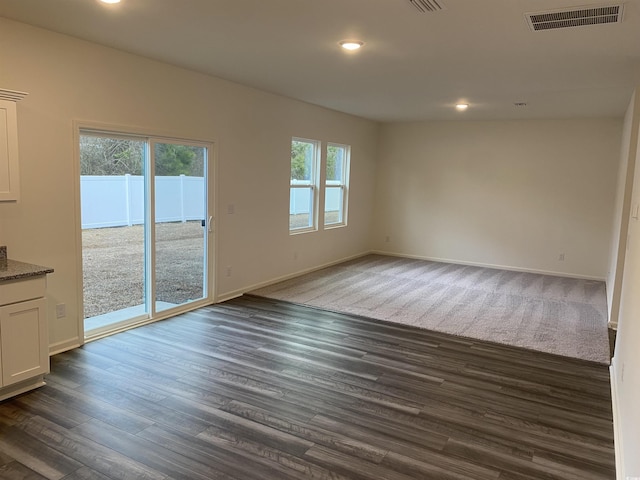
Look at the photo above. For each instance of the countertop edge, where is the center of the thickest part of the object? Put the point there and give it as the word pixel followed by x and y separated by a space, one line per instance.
pixel 16 270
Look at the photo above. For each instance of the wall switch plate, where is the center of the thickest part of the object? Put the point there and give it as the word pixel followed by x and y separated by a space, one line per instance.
pixel 61 310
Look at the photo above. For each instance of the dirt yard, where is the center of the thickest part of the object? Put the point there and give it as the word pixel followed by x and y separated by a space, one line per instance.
pixel 113 266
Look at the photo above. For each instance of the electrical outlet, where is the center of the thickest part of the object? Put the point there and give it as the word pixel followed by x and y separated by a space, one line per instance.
pixel 387 239
pixel 61 310
pixel 561 257
pixel 231 209
pixel 295 255
pixel 228 271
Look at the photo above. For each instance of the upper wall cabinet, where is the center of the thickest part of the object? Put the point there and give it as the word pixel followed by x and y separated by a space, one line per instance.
pixel 9 182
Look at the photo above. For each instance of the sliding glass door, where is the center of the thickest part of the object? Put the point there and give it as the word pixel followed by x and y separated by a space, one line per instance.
pixel 181 228
pixel 145 228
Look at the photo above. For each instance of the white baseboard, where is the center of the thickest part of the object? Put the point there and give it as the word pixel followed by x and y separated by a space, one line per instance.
pixel 241 291
pixel 490 265
pixel 617 436
pixel 231 295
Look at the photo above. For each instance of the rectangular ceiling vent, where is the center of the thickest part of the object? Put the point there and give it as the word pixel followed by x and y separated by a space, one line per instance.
pixel 424 6
pixel 574 17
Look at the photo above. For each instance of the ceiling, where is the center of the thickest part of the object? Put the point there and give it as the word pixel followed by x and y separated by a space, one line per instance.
pixel 414 66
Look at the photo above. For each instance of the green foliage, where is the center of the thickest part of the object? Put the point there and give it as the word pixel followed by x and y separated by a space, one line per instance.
pixel 301 161
pixel 173 160
pixel 116 156
pixel 300 151
pixel 332 155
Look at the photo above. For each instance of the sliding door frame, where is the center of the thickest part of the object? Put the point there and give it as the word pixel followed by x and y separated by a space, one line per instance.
pixel 210 250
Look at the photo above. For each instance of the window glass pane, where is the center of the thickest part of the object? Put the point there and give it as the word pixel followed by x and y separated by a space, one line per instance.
pixel 302 156
pixel 335 163
pixel 304 184
pixel 336 184
pixel 180 240
pixel 300 208
pixel 112 215
pixel 333 205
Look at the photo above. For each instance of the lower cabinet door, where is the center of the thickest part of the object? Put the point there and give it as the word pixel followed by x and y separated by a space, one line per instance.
pixel 23 341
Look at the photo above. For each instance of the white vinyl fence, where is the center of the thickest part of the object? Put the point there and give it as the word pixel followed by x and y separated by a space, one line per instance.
pixel 118 200
pixel 300 199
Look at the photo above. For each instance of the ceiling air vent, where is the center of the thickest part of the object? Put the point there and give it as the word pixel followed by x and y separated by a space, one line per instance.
pixel 574 17
pixel 424 6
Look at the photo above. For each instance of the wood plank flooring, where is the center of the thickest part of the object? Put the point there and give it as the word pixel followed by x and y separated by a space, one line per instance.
pixel 260 389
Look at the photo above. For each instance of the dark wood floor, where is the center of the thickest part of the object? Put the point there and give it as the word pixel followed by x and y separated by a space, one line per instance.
pixel 259 389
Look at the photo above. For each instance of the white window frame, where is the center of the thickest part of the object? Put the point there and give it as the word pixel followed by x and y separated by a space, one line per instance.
pixel 344 186
pixel 312 185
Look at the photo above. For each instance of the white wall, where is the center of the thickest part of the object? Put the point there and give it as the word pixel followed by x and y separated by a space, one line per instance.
pixel 626 362
pixel 622 207
pixel 68 80
pixel 508 193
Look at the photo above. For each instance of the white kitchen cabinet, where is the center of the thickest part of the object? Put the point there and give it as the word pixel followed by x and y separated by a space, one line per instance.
pixel 24 344
pixel 9 180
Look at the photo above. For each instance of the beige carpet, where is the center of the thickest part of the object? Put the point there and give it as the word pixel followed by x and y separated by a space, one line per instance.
pixel 557 315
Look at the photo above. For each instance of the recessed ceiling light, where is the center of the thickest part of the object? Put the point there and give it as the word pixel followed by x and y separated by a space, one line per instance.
pixel 461 107
pixel 110 1
pixel 351 44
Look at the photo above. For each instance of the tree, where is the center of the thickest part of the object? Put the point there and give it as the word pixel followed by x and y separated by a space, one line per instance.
pixel 117 156
pixel 332 156
pixel 300 151
pixel 173 160
pixel 197 166
pixel 301 161
pixel 110 156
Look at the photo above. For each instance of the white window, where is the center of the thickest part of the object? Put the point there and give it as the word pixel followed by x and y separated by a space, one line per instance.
pixel 304 185
pixel 336 185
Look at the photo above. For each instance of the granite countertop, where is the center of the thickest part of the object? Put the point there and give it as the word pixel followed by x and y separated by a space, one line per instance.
pixel 14 270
